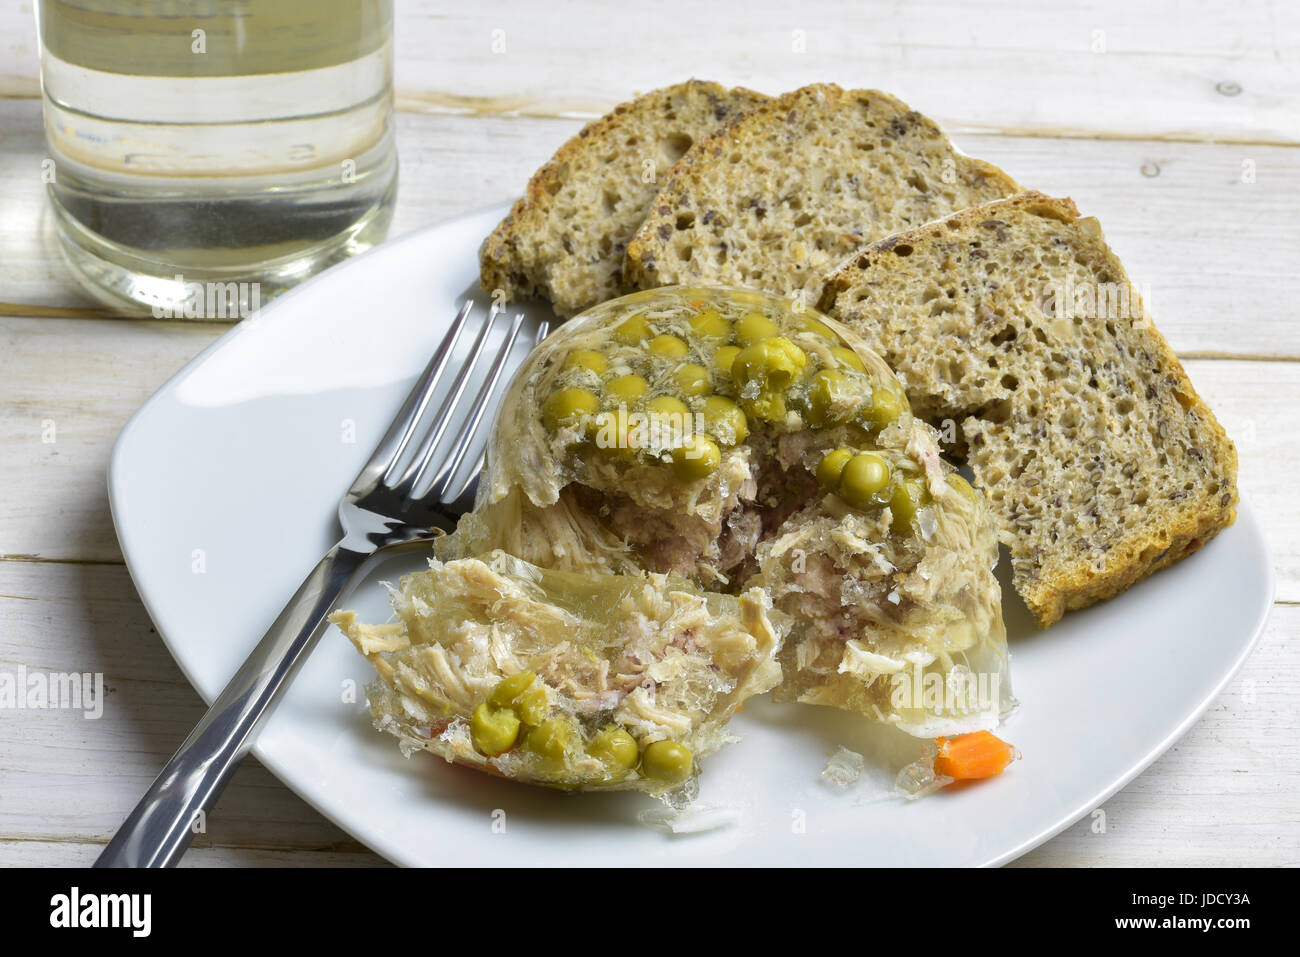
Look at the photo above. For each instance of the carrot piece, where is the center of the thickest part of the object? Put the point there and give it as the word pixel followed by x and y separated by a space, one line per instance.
pixel 976 755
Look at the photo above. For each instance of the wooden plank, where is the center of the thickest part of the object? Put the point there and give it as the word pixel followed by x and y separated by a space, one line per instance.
pixel 69 387
pixel 1163 69
pixel 1213 254
pixel 65 775
pixel 1216 254
pixel 1223 796
pixel 66 782
pixel 1256 403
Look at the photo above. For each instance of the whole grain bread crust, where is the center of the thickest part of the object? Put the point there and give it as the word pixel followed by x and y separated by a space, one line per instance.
pixel 646 249
pixel 1070 589
pixel 500 255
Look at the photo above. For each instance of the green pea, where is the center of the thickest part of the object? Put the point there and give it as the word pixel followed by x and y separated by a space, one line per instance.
pixel 493 730
pixel 508 689
pixel 697 457
pixel 819 328
pixel 625 389
pixel 667 405
pixel 568 406
pixel 669 417
pixel 669 761
pixel 613 435
pixel 725 419
pixel 710 326
pixel 724 357
pixel 670 347
pixel 886 406
pixel 831 467
pixel 907 500
pixel 587 359
pixel 848 357
pixel 692 379
pixel 532 705
pixel 615 747
pixel 763 372
pixel 832 397
pixel 523 693
pixel 865 476
pixel 554 738
pixel 755 326
pixel 634 331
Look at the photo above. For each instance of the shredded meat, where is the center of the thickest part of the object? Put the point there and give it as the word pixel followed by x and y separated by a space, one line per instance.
pixel 739 538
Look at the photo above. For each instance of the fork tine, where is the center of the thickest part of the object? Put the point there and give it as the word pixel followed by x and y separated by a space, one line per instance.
pixel 424 455
pixel 399 434
pixel 466 435
pixel 542 331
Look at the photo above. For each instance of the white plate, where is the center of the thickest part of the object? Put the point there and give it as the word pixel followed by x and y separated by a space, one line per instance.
pixel 224 487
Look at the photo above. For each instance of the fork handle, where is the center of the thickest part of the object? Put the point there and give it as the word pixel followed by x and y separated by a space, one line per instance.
pixel 162 825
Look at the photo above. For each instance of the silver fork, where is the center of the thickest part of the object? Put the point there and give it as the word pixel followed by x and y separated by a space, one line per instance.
pixel 388 506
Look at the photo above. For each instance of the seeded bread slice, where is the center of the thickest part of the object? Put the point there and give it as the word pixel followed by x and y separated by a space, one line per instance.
pixel 776 199
pixel 564 240
pixel 1099 460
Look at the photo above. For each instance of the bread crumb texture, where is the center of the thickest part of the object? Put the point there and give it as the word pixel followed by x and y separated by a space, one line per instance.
pixel 564 240
pixel 778 197
pixel 1016 322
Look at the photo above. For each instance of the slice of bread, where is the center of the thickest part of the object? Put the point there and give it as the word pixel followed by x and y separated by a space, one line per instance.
pixel 777 198
pixel 564 240
pixel 1099 460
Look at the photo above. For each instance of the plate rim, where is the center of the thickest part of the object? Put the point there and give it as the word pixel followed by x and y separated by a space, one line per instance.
pixel 1159 750
pixel 391 850
pixel 116 455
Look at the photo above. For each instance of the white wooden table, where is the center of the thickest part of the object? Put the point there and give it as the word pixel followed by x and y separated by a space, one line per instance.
pixel 1176 123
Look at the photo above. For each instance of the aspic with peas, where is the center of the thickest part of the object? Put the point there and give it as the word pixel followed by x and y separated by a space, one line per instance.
pixel 565 679
pixel 743 457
